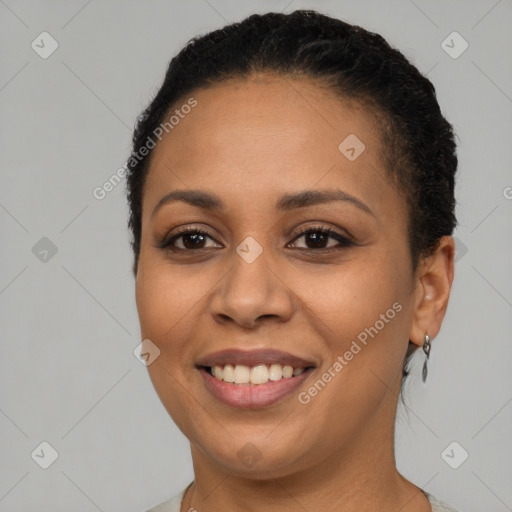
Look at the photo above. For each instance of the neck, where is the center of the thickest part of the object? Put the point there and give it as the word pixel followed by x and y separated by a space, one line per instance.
pixel 361 475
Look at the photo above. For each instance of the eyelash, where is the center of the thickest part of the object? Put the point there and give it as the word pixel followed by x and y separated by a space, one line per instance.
pixel 344 241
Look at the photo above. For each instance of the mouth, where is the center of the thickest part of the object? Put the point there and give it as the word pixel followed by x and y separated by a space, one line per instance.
pixel 253 379
pixel 243 375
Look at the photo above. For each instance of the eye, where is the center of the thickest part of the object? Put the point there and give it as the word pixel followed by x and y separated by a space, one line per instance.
pixel 188 239
pixel 317 238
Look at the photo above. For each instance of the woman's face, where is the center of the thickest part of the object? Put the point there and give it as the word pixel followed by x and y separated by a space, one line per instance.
pixel 264 160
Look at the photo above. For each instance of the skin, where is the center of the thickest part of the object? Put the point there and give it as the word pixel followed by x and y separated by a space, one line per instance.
pixel 250 142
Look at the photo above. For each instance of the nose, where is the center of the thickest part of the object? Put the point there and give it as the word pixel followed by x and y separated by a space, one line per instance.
pixel 250 294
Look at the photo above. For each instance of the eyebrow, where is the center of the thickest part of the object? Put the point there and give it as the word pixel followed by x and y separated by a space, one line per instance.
pixel 302 199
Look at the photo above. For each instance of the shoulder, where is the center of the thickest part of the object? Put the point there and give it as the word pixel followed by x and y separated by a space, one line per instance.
pixel 437 505
pixel 171 505
pixel 174 504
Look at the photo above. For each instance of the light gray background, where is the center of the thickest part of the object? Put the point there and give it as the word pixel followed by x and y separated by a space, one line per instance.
pixel 69 325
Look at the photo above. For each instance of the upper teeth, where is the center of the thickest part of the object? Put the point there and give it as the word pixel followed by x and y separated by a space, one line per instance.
pixel 260 374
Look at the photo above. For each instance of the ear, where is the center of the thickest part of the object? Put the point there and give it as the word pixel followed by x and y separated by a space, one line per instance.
pixel 434 277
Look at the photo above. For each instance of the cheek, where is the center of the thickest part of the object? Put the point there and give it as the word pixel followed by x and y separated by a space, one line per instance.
pixel 364 313
pixel 354 297
pixel 364 316
pixel 168 300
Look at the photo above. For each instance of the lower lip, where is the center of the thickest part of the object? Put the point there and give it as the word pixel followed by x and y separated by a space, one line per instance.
pixel 252 396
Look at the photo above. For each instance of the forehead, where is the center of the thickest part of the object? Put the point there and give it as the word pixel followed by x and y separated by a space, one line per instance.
pixel 270 135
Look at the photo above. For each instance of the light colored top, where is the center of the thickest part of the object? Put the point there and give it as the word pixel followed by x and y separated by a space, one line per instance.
pixel 174 504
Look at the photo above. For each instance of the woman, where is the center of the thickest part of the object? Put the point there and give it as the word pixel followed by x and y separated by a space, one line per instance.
pixel 291 193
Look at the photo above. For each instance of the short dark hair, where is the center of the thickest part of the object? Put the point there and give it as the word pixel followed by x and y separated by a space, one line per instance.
pixel 351 62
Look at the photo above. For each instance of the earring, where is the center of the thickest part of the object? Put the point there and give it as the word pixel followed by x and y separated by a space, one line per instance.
pixel 426 349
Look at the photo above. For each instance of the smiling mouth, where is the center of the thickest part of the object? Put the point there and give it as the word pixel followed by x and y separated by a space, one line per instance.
pixel 254 375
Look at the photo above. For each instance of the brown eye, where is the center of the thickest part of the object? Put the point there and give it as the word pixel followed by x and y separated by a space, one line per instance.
pixel 192 240
pixel 188 239
pixel 317 238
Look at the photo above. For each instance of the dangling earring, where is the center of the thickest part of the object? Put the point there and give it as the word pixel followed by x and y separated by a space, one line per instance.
pixel 426 349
